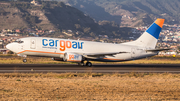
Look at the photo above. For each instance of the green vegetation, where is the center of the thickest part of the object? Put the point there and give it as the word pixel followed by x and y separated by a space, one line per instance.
pixel 53 15
pixel 18 80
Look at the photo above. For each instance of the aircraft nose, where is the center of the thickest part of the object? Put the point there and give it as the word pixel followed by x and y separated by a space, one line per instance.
pixel 9 46
pixel 13 47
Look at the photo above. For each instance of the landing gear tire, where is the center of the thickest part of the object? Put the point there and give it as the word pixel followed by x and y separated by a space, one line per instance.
pixel 24 60
pixel 89 64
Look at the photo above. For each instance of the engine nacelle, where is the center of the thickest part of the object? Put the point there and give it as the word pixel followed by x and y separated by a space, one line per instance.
pixel 57 59
pixel 72 57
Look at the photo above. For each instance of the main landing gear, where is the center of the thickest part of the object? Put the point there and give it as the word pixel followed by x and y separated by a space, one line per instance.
pixel 89 64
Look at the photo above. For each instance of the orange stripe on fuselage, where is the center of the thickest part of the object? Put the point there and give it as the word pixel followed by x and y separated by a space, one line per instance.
pixel 113 59
pixel 39 52
pixel 159 22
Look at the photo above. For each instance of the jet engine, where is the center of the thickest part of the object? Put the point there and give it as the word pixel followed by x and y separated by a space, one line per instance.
pixel 72 57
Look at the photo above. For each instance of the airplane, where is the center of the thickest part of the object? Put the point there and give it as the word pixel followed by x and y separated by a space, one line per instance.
pixel 79 51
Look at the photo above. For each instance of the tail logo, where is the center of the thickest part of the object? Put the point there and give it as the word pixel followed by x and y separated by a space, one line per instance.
pixel 155 28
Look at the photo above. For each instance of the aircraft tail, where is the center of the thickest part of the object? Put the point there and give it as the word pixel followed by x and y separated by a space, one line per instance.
pixel 150 37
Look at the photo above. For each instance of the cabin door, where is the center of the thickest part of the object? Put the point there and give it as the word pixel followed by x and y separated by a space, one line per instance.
pixel 133 52
pixel 33 44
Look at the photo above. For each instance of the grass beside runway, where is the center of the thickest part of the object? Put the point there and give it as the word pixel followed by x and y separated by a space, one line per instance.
pixel 89 86
pixel 43 60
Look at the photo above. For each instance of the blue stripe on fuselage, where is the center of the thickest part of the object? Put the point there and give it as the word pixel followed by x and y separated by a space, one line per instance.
pixel 154 30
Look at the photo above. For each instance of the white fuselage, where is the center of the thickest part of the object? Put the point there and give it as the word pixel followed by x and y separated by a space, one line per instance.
pixel 80 51
pixel 55 47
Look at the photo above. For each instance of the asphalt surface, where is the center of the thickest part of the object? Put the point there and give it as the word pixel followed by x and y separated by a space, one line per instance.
pixel 96 68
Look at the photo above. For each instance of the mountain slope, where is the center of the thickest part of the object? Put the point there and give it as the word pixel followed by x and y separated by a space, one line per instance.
pixel 129 12
pixel 56 16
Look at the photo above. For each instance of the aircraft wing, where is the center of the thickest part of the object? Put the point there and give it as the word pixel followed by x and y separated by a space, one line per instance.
pixel 156 50
pixel 102 54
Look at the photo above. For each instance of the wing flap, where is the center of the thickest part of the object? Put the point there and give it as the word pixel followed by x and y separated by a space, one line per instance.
pixel 102 54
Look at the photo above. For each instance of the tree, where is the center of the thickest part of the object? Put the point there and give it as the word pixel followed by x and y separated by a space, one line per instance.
pixel 92 34
pixel 61 4
pixel 87 30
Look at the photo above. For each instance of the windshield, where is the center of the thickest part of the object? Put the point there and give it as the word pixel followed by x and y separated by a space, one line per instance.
pixel 19 41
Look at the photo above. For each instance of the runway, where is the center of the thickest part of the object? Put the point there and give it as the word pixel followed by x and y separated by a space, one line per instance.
pixel 96 68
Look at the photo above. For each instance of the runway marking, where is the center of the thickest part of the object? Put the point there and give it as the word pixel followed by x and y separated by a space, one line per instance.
pixel 96 68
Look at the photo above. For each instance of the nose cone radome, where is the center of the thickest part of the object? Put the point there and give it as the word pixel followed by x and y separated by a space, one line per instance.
pixel 9 46
pixel 13 47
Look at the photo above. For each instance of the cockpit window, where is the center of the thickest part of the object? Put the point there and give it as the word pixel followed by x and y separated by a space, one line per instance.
pixel 19 41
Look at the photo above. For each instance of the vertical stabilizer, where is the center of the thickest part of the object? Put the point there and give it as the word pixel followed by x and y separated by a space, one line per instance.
pixel 150 37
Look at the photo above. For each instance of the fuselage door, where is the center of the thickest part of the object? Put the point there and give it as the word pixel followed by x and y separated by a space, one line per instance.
pixel 133 52
pixel 33 44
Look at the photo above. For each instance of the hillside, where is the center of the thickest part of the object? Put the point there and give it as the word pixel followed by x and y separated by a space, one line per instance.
pixel 46 16
pixel 129 12
pixel 56 16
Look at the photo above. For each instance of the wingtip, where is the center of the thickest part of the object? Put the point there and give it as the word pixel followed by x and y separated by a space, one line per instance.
pixel 160 22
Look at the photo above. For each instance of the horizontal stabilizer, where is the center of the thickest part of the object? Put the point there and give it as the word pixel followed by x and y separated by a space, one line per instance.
pixel 3 49
pixel 156 50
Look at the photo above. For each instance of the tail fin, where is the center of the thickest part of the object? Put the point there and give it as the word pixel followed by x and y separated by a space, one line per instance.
pixel 150 37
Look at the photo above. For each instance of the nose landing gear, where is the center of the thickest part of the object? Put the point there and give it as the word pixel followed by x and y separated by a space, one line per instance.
pixel 24 56
pixel 24 60
pixel 89 64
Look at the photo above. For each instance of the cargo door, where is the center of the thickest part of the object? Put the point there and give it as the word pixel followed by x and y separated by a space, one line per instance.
pixel 33 44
